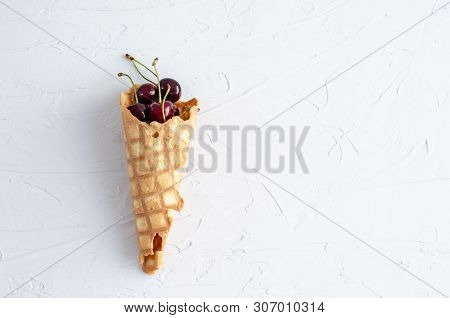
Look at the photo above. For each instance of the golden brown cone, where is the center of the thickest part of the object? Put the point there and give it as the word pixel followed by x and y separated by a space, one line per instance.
pixel 155 154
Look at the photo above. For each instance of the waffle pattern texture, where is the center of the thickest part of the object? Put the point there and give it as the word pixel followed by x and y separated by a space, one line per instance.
pixel 156 154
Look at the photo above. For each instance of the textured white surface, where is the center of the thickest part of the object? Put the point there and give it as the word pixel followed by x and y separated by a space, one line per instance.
pixel 378 149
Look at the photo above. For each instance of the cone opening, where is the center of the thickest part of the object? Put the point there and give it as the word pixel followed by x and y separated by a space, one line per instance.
pixel 187 108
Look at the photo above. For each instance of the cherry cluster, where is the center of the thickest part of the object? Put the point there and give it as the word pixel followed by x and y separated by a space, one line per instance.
pixel 154 101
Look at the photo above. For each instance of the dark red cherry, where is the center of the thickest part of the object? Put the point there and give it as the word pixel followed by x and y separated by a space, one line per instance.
pixel 154 111
pixel 138 111
pixel 175 89
pixel 147 93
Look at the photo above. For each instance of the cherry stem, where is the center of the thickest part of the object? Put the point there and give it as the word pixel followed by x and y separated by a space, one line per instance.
pixel 139 72
pixel 157 77
pixel 185 111
pixel 132 84
pixel 134 61
pixel 164 101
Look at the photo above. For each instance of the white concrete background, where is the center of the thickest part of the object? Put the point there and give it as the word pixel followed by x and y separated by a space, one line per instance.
pixel 378 151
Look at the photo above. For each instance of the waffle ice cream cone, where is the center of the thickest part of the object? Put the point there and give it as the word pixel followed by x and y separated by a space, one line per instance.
pixel 155 153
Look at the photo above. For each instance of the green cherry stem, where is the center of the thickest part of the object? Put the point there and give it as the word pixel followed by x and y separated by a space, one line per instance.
pixel 132 85
pixel 164 101
pixel 185 111
pixel 157 77
pixel 142 75
pixel 134 61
